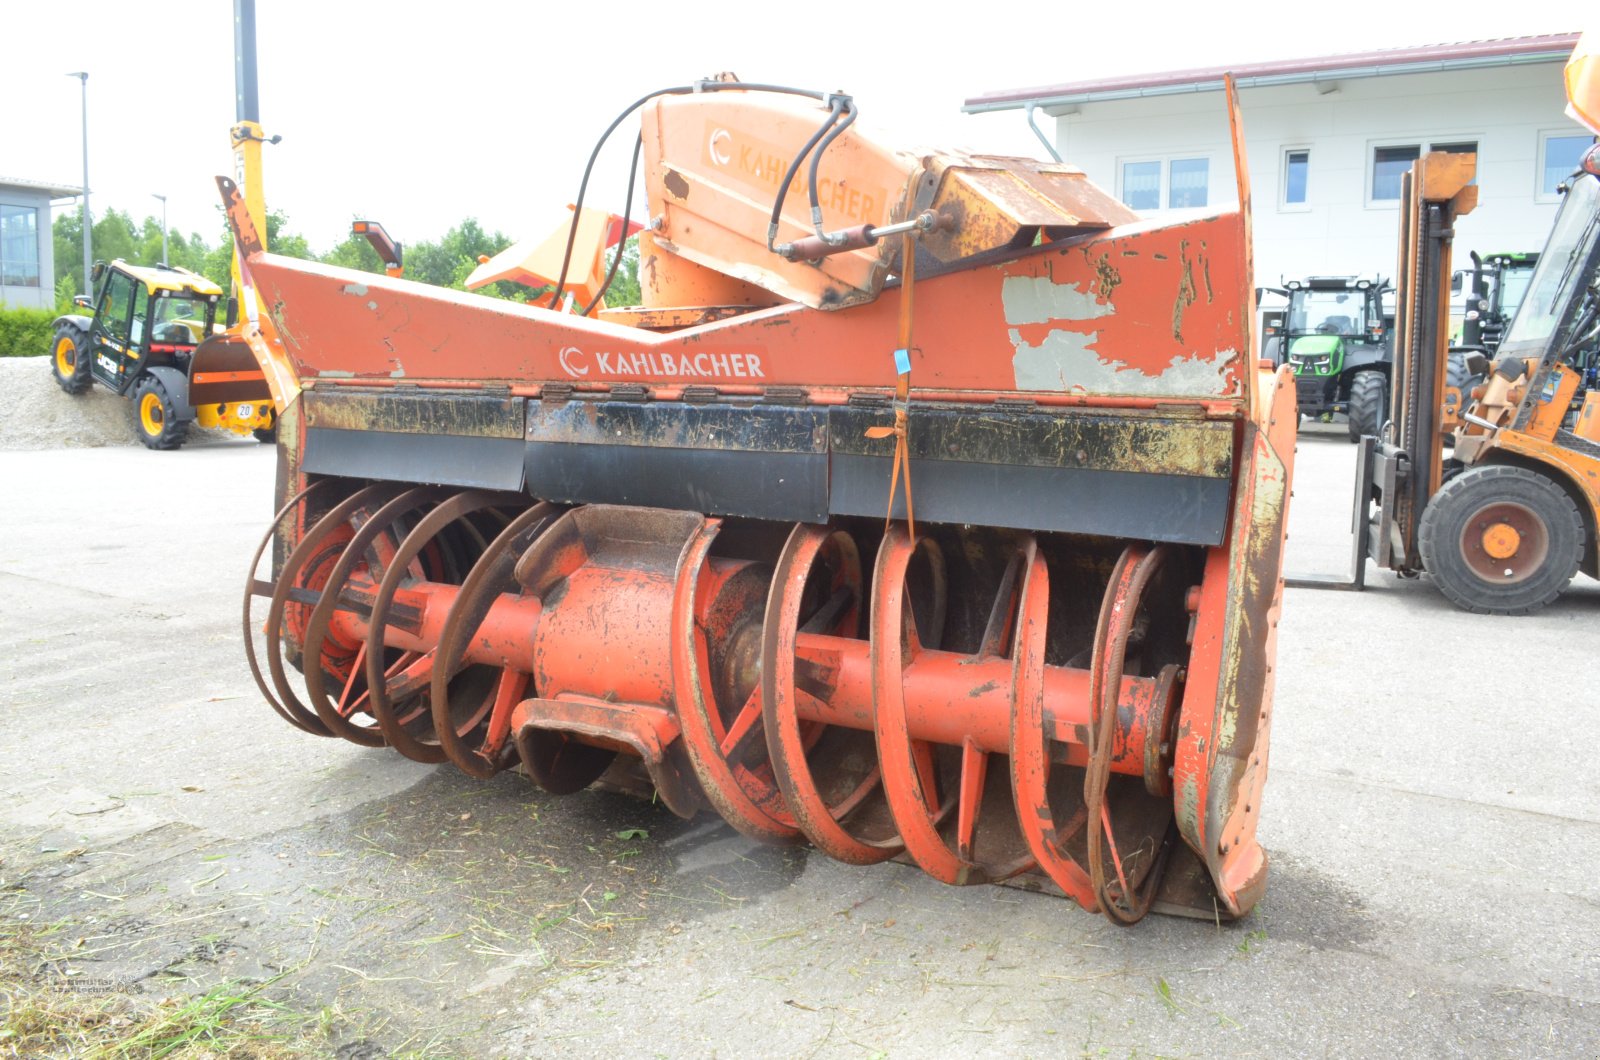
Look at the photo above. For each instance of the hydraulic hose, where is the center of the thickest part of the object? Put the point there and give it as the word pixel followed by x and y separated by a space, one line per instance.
pixel 816 160
pixel 835 107
pixel 676 90
pixel 622 239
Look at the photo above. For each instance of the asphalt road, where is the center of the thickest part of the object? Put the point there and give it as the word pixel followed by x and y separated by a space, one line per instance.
pixel 1432 816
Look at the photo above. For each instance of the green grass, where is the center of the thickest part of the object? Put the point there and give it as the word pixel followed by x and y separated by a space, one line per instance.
pixel 44 1013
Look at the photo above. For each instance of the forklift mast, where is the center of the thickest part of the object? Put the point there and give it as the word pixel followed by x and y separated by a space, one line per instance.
pixel 1409 461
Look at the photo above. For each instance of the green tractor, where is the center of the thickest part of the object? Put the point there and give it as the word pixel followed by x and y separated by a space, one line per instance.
pixel 1335 336
pixel 1494 287
pixel 147 340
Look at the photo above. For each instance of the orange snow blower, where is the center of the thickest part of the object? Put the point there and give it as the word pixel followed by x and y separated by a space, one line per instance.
pixel 930 507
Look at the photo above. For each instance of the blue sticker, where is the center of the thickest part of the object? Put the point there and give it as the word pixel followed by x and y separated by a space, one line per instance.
pixel 902 362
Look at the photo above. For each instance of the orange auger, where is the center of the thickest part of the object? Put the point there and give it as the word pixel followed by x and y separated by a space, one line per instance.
pixel 647 548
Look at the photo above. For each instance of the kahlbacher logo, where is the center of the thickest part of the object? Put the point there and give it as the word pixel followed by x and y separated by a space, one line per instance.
pixel 718 146
pixel 661 363
pixel 761 164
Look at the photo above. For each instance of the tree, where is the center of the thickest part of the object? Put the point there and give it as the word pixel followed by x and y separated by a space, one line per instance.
pixel 624 289
pixel 282 241
pixel 356 253
pixel 114 237
pixel 66 234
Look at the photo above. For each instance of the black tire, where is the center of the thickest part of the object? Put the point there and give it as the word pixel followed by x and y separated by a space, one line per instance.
pixel 1369 404
pixel 155 419
pixel 1540 534
pixel 69 358
pixel 267 435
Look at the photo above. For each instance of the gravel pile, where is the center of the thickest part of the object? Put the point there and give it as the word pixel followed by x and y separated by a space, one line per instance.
pixel 35 413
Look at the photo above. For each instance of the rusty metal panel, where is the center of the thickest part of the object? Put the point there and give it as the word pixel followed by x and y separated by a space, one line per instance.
pixel 455 439
pixel 1007 203
pixel 763 461
pixel 1150 444
pixel 401 411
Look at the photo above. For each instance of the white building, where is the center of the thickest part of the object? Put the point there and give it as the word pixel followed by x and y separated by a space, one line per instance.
pixel 27 259
pixel 1326 142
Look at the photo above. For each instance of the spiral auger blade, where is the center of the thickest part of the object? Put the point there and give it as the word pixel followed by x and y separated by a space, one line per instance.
pixel 723 732
pixel 299 589
pixel 370 549
pixel 289 710
pixel 402 694
pixel 353 605
pixel 1106 842
pixel 874 715
pixel 828 774
pixel 937 792
pixel 475 734
pixel 1128 897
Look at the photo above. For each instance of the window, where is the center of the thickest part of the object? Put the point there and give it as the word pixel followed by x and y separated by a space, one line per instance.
pixel 1141 185
pixel 1559 155
pixel 1181 183
pixel 19 246
pixel 1296 168
pixel 115 304
pixel 1389 164
pixel 141 308
pixel 1186 186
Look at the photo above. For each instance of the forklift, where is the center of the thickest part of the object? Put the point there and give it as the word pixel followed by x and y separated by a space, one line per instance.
pixel 141 342
pixel 1503 524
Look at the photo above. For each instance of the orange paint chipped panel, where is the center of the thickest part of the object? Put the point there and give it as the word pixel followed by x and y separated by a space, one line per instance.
pixel 1057 318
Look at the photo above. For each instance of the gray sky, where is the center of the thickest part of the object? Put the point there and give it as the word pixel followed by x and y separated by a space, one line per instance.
pixel 419 115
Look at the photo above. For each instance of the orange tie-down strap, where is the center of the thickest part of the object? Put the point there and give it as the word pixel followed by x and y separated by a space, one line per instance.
pixel 902 456
pixel 902 385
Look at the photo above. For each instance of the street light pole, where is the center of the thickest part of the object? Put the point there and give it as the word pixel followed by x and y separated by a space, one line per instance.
pixel 163 198
pixel 85 216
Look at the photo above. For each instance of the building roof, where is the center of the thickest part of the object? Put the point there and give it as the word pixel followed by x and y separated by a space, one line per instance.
pixel 1429 58
pixel 57 191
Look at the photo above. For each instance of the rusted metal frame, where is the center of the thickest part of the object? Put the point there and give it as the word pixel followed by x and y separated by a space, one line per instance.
pixel 814 395
pixel 1256 409
pixel 644 730
pixel 1220 762
pixel 309 290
